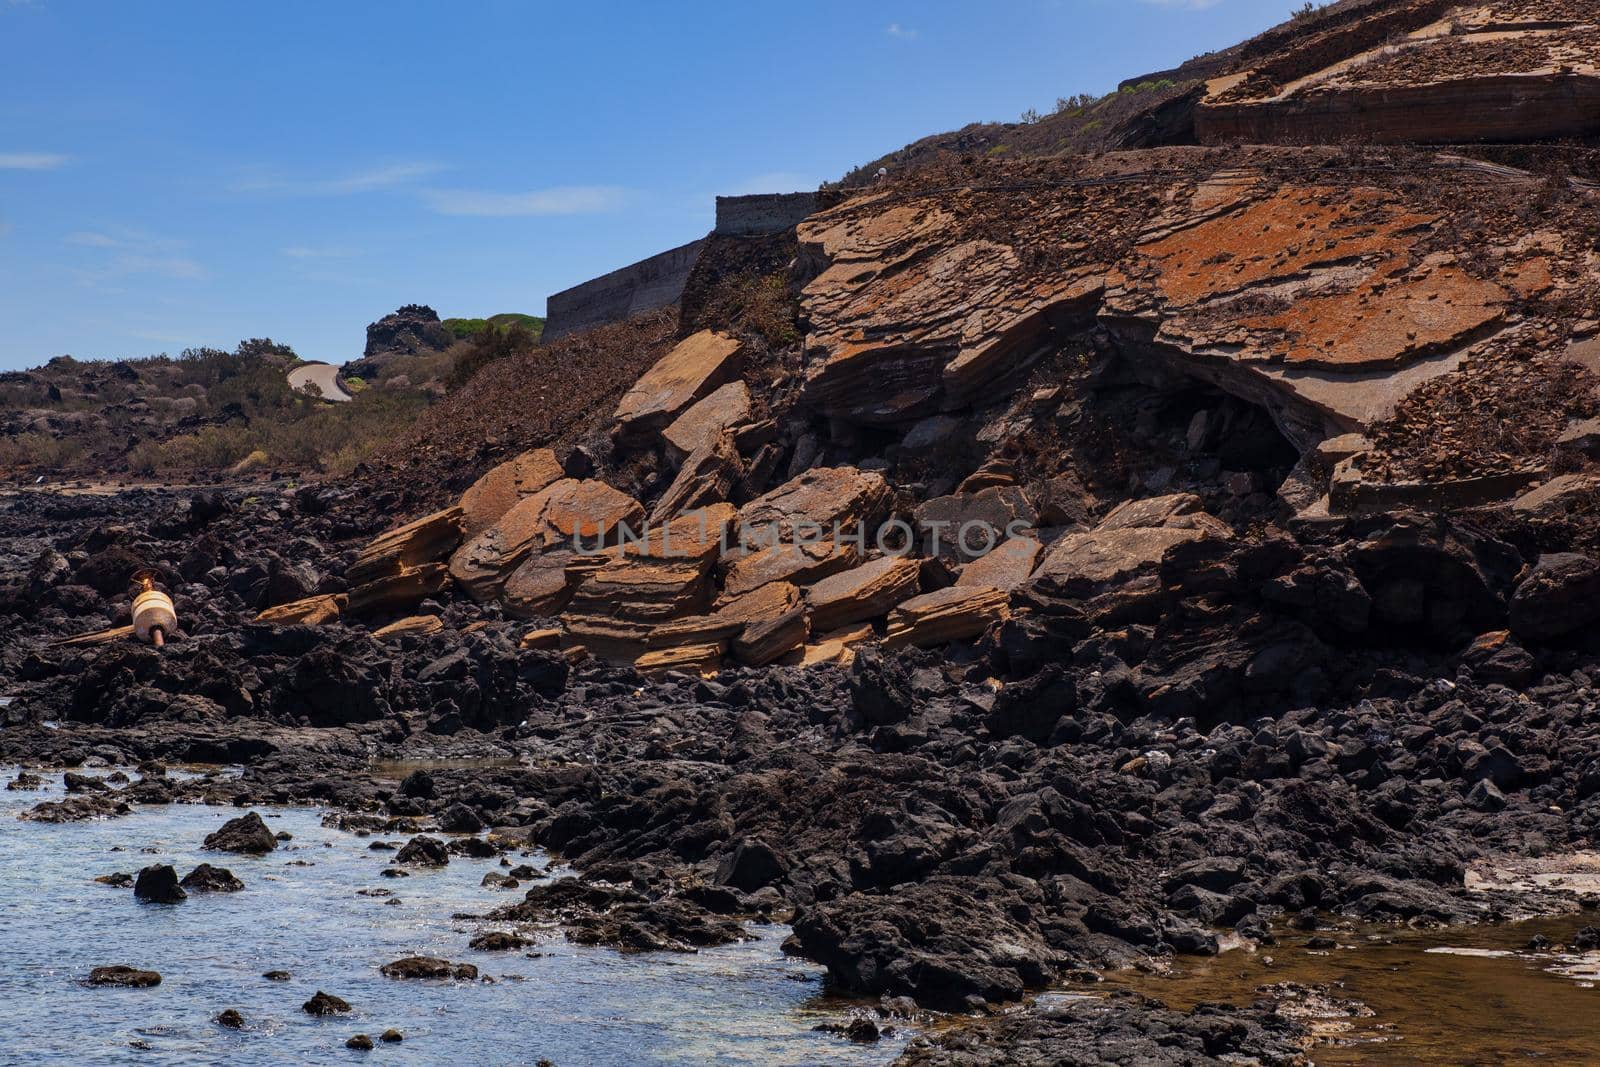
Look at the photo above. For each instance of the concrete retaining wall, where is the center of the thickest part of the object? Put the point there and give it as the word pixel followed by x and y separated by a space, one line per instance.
pixel 747 216
pixel 642 286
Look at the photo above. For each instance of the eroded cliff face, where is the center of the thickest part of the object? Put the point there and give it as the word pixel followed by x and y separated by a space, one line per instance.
pixel 1420 72
pixel 1324 286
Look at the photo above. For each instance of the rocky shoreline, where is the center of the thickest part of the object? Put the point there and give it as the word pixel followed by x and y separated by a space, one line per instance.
pixel 935 839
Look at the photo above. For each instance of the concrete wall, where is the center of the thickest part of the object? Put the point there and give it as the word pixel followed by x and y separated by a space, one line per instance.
pixel 747 216
pixel 642 286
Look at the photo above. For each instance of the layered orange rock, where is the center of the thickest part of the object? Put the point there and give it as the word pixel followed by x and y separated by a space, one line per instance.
pixel 696 366
pixel 1423 71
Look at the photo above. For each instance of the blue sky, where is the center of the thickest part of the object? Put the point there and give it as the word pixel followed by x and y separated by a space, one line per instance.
pixel 179 173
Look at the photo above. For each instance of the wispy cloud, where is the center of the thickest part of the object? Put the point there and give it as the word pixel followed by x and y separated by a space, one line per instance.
pixel 557 200
pixel 317 252
pixel 904 33
pixel 92 239
pixel 370 179
pixel 31 160
pixel 121 252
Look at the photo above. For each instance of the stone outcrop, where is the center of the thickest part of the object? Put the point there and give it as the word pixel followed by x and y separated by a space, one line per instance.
pixel 411 626
pixel 696 366
pixel 967 526
pixel 409 331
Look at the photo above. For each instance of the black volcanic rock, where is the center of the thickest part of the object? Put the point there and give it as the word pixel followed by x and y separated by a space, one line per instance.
pixel 410 330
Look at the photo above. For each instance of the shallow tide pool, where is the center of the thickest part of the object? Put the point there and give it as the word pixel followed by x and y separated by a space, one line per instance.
pixel 301 912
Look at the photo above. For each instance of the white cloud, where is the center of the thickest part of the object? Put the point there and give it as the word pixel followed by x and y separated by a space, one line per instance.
pixel 904 33
pixel 31 160
pixel 557 200
pixel 370 179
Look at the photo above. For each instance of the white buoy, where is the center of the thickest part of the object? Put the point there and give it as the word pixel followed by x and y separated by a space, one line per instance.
pixel 154 617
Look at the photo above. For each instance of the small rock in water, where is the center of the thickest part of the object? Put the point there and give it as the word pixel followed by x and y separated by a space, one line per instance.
pixel 1587 939
pixel 360 1041
pixel 277 976
pixel 158 883
pixel 428 967
pixel 496 880
pixel 119 879
pixel 392 1036
pixel 498 941
pixel 25 781
pixel 124 976
pixel 459 819
pixel 247 834
pixel 423 852
pixel 325 1004
pixel 862 1030
pixel 231 1019
pixel 208 879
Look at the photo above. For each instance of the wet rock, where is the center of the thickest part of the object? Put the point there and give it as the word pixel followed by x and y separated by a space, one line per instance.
pixel 246 834
pixel 123 976
pixel 119 880
pixel 459 819
pixel 360 1042
pixel 158 883
pixel 428 967
pixel 25 781
pixel 423 852
pixel 325 1004
pixel 230 1019
pixel 750 866
pixel 208 879
pixel 276 976
pixel 391 1036
pixel 498 941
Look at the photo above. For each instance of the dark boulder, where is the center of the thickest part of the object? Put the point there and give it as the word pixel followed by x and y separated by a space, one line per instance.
pixel 325 1004
pixel 126 977
pixel 1560 595
pixel 428 967
pixel 423 852
pixel 158 884
pixel 208 879
pixel 246 834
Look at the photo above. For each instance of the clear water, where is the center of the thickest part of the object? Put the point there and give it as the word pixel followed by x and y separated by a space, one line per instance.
pixel 301 912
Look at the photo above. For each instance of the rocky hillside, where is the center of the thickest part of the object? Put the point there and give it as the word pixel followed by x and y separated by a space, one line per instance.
pixel 1022 568
pixel 208 413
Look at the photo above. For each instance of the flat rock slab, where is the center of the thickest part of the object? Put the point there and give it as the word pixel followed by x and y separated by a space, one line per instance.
pixel 707 419
pixel 774 622
pixel 953 614
pixel 695 366
pixel 311 611
pixel 1131 540
pixel 866 592
pixel 815 501
pixel 414 626
pixel 498 491
pixel 425 540
pixel 1008 567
